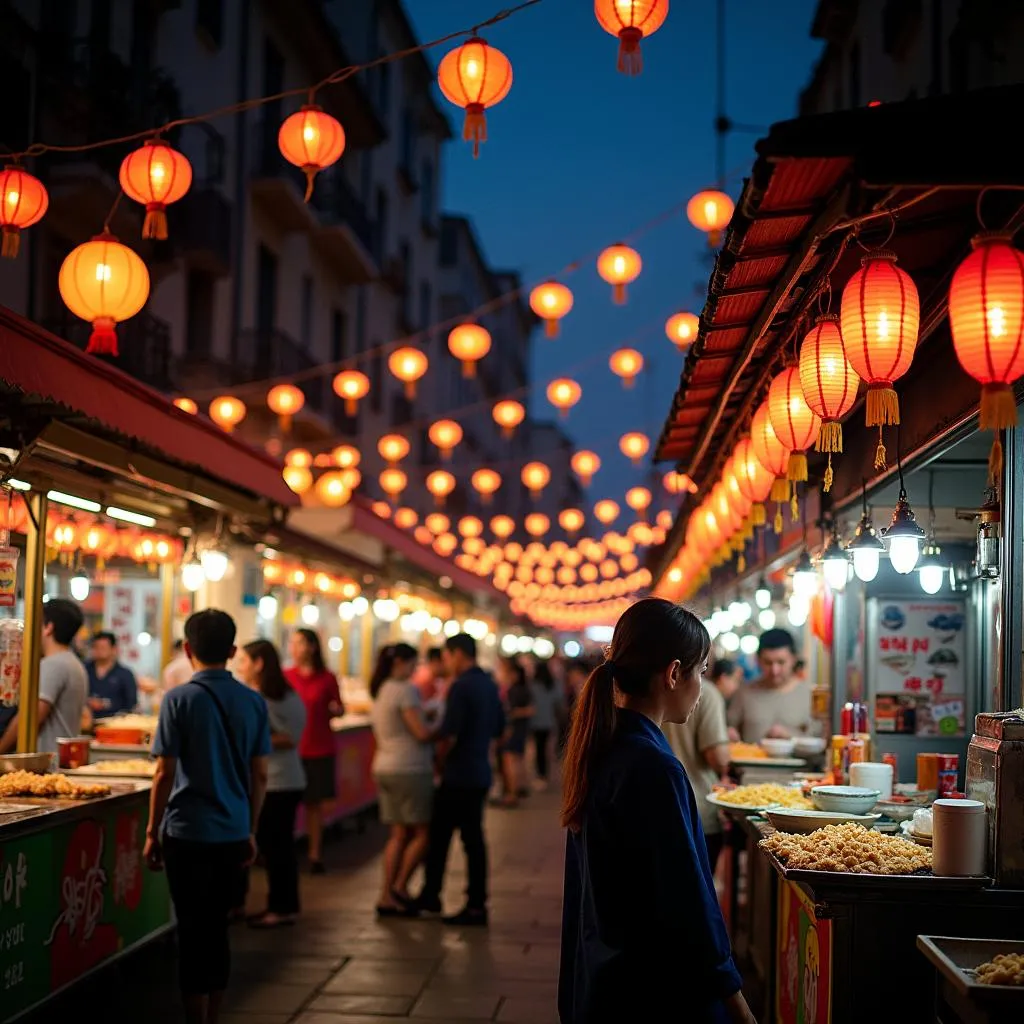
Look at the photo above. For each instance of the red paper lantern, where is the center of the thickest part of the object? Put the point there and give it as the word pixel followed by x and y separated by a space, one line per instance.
pixel 551 301
pixel 795 424
pixel 23 201
pixel 311 140
pixel 630 20
pixel 475 76
pixel 773 456
pixel 155 175
pixel 754 481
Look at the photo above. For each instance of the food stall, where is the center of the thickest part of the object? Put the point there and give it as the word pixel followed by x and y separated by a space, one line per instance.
pixel 112 456
pixel 913 643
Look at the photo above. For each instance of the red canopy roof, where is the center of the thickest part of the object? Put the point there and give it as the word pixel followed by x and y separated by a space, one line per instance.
pixel 38 363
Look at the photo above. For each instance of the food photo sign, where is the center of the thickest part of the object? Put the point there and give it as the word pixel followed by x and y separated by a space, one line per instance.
pixel 918 667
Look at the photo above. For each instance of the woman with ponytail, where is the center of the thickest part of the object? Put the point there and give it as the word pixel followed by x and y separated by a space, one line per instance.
pixel 642 933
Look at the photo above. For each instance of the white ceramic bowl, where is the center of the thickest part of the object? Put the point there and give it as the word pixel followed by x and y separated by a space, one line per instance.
pixel 803 822
pixel 777 748
pixel 844 799
pixel 805 746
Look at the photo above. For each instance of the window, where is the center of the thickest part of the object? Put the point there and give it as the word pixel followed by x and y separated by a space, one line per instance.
pixel 427 193
pixel 306 312
pixel 210 21
pixel 339 348
pixel 266 295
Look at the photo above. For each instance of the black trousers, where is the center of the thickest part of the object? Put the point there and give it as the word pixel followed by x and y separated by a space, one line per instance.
pixel 275 837
pixel 540 752
pixel 203 879
pixel 456 807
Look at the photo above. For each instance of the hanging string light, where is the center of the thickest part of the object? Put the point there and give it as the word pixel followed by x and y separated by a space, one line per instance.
pixel 351 386
pixel 681 329
pixel 795 424
pixel 535 476
pixel 155 175
pixel 606 511
pixel 437 523
pixel 286 400
pixel 440 483
pixel 619 265
pixel 634 446
pixel 571 520
pixel 186 405
pixel 469 343
pixel 392 448
pixel 346 456
pixel 626 363
pixel 311 140
pixel 408 365
pixel 298 478
pixel 639 500
pixel 475 76
pixel 23 202
pixel 486 482
pixel 393 482
pixel 630 21
pixel 227 412
pixel 502 526
pixel 406 518
pixel 551 301
pixel 537 524
pixel 332 490
pixel 445 435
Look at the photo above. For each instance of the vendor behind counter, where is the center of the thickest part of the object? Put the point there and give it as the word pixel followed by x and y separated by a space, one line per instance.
pixel 778 703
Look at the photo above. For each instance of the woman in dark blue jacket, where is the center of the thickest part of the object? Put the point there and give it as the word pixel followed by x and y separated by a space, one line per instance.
pixel 642 933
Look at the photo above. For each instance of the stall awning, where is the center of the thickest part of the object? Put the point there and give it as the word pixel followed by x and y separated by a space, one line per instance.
pixel 54 380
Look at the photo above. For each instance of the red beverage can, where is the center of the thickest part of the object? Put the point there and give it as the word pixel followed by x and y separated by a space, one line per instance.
pixel 949 766
pixel 891 759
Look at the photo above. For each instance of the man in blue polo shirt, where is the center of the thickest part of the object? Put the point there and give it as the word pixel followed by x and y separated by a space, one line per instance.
pixel 212 747
pixel 112 688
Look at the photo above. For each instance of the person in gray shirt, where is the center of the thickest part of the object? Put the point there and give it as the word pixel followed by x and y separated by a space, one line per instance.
pixel 63 681
pixel 258 665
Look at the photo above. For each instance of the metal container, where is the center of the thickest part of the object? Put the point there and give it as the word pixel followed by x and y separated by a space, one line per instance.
pixel 40 763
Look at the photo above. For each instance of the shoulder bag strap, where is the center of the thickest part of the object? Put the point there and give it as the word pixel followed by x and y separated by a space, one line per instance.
pixel 236 756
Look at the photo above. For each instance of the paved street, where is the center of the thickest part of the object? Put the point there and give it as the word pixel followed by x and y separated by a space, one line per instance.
pixel 340 966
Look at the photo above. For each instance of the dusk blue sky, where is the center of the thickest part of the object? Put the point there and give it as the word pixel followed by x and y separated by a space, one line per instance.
pixel 579 156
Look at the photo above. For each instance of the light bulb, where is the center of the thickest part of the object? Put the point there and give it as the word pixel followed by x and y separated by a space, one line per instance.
pixel 335 644
pixel 709 625
pixel 346 611
pixel 192 576
pixel 214 563
pixel 434 626
pixel 543 647
pixel 805 583
pixel 386 609
pixel 762 597
pixel 729 641
pixel 268 606
pixel 79 586
pixel 748 643
pixel 310 614
pixel 931 578
pixel 360 606
pixel 903 553
pixel 799 609
pixel 571 649
pixel 766 619
pixel 509 644
pixel 865 564
pixel 144 639
pixel 722 620
pixel 837 572
pixel 739 612
pixel 524 644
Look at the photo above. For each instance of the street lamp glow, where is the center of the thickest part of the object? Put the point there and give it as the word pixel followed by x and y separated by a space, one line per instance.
pixel 310 614
pixel 762 596
pixel 79 586
pixel 865 563
pixel 730 641
pixel 748 643
pixel 268 607
pixel 766 619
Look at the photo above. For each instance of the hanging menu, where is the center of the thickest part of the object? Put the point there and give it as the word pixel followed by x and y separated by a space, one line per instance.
pixel 917 667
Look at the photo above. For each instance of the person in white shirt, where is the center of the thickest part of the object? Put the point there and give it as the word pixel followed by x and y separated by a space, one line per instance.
pixel 179 669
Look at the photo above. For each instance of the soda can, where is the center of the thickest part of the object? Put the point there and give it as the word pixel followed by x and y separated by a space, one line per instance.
pixel 949 766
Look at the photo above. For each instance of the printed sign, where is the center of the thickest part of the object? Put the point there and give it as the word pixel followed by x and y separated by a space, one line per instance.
pixel 803 966
pixel 918 667
pixel 8 577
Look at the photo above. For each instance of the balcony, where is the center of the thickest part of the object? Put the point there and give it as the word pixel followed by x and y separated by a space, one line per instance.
pixel 277 187
pixel 343 232
pixel 265 354
pixel 144 346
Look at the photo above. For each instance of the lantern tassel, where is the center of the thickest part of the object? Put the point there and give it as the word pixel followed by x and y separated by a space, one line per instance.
pixel 550 328
pixel 155 224
pixel 830 437
pixel 777 524
pixel 11 242
pixel 103 340
pixel 618 294
pixel 995 462
pixel 998 409
pixel 310 172
pixel 631 60
pixel 883 406
pixel 741 563
pixel 794 506
pixel 780 489
pixel 880 456
pixel 826 484
pixel 474 128
pixel 758 516
pixel 797 466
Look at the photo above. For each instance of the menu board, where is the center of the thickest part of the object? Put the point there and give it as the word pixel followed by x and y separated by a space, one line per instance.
pixel 918 667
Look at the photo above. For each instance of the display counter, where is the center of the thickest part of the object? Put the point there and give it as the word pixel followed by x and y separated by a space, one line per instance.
pixel 74 893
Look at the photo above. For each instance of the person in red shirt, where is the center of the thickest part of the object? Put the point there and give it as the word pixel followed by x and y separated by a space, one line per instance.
pixel 318 688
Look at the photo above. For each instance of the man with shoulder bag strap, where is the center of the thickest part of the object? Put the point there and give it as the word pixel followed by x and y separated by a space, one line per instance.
pixel 212 745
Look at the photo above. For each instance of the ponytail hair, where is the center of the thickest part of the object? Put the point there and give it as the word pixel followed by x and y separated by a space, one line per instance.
pixel 648 637
pixel 386 664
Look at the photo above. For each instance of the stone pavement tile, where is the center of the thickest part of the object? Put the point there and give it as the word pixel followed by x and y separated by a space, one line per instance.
pixel 448 1006
pixel 249 1018
pixel 377 980
pixel 528 1011
pixel 352 1004
pixel 490 986
pixel 267 997
pixel 334 1018
pixel 283 970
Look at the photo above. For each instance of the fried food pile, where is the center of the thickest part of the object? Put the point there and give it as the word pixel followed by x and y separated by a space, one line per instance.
pixel 849 848
pixel 30 784
pixel 763 795
pixel 1004 969
pixel 127 766
pixel 746 751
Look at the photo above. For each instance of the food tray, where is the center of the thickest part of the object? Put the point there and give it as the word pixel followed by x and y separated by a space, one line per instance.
pixel 769 762
pixel 10 807
pixel 800 821
pixel 120 736
pixel 956 959
pixel 855 879
pixel 736 809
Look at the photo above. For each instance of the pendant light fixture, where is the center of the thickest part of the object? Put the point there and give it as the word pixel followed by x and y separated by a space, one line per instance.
pixel 865 548
pixel 763 595
pixel 835 561
pixel 930 570
pixel 903 533
pixel 805 577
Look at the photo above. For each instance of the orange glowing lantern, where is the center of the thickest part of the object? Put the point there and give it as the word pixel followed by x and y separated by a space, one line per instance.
pixel 773 456
pixel 406 518
pixel 445 435
pixel 440 483
pixel 423 536
pixel 753 479
pixel 104 282
pixel 664 519
pixel 393 482
pixel 634 446
pixel 551 301
pixel 96 539
pixel 311 140
pixel 331 489
pixel 186 405
pixel 606 511
pixel 285 400
pixel 619 265
pixel 227 412
pixel 381 509
pixel 351 477
pixel 588 573
pixel 470 526
pixel 535 477
pixel 502 526
pixel 681 329
pixel 829 384
pixel 571 520
pixel 408 365
pixel 475 76
pixel 537 524
pixel 23 201
pixel 298 457
pixel 508 415
pixel 585 464
pixel 626 363
pixel 630 20
pixel 437 523
pixel 986 317
pixel 469 343
pixel 639 500
pixel 710 211
pixel 346 456
pixel 446 544
pixel 393 448
pixel 156 176
pixel 351 385
pixel 793 420
pixel 676 482
pixel 485 482
pixel 563 394
pixel 879 320
pixel 298 478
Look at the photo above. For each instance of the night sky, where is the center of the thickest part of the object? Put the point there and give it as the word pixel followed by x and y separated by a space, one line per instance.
pixel 579 156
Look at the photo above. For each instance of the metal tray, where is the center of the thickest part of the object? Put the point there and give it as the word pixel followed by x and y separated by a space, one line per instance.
pixel 956 959
pixel 856 879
